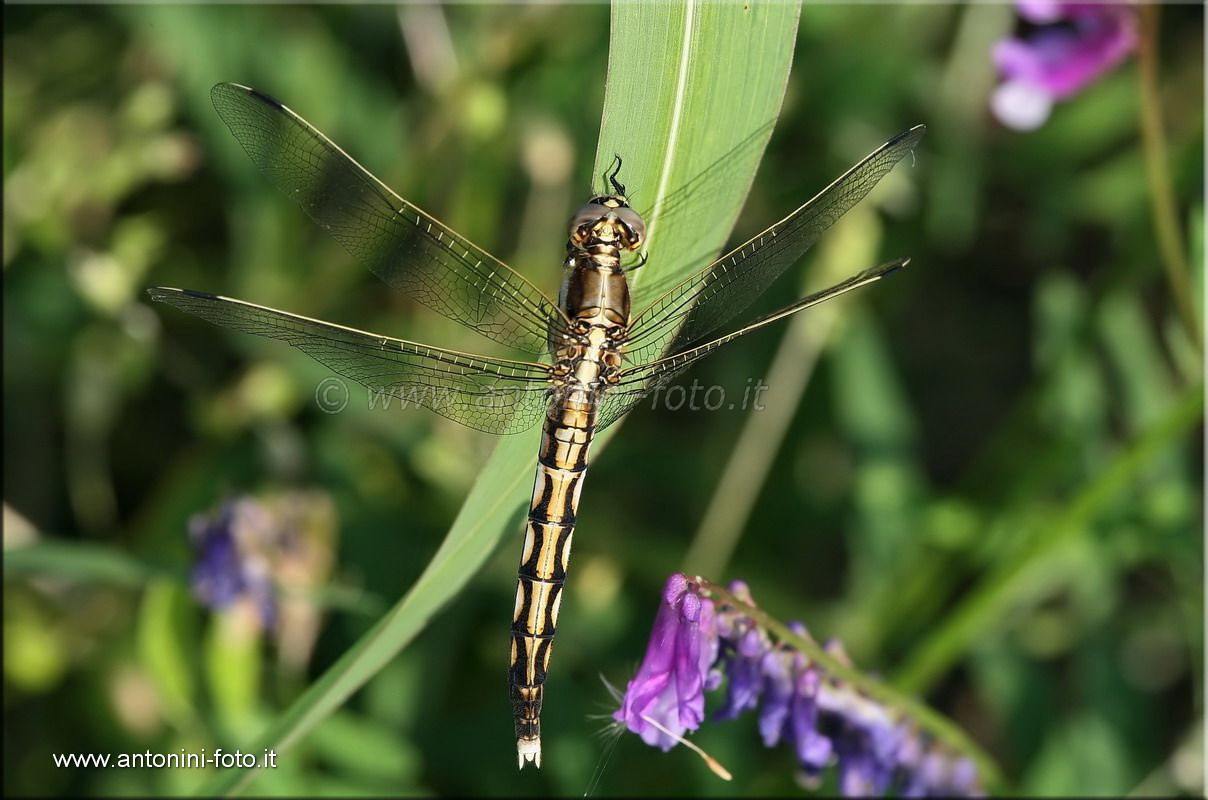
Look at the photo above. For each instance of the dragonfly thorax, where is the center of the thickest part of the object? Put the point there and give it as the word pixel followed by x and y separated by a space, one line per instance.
pixel 595 290
pixel 596 293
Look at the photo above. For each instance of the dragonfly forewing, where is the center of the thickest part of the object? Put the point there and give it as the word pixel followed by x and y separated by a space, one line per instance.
pixel 701 303
pixel 405 247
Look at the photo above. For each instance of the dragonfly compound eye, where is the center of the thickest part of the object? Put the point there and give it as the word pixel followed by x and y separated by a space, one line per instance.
pixel 635 227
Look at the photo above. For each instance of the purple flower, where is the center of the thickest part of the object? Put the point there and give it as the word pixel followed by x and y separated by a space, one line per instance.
pixel 777 697
pixel 813 749
pixel 868 757
pixel 230 565
pixel 217 578
pixel 962 779
pixel 695 648
pixel 790 705
pixel 670 685
pixel 742 664
pixel 938 776
pixel 1075 44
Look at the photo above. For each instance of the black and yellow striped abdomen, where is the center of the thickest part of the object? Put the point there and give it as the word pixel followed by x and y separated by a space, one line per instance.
pixel 549 530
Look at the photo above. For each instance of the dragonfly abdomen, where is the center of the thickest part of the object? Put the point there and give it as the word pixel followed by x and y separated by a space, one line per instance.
pixel 561 467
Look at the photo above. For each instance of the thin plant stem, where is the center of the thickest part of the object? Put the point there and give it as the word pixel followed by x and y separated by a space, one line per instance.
pixel 1161 193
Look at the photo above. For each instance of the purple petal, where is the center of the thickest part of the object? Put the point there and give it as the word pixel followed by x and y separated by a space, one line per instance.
pixel 1046 12
pixel 857 774
pixel 963 779
pixel 777 694
pixel 1021 106
pixel 928 778
pixel 1040 12
pixel 742 591
pixel 217 578
pixel 813 749
pixel 910 753
pixel 867 760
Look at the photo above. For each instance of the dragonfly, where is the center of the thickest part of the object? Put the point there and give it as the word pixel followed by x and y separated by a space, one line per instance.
pixel 593 356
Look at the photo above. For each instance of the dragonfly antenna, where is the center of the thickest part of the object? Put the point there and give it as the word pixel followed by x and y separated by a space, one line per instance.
pixel 612 178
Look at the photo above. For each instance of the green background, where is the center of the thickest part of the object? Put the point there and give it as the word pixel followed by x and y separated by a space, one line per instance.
pixel 989 488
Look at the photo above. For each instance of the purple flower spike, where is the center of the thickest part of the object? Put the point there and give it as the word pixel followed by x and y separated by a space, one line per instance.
pixel 670 685
pixel 694 649
pixel 1079 43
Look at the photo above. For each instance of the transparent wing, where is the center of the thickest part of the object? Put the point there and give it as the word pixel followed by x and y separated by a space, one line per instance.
pixel 398 242
pixel 489 394
pixel 698 305
pixel 639 382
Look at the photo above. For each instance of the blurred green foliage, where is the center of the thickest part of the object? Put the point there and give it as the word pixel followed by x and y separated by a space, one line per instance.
pixel 990 488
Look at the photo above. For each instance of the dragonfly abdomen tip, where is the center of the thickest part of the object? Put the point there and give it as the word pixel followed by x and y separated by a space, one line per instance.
pixel 528 750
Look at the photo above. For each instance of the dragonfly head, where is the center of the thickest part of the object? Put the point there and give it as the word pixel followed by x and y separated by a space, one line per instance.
pixel 608 219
